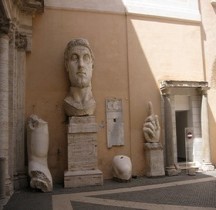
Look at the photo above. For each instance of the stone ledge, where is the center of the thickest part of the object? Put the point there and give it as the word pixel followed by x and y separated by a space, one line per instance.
pixel 86 124
pixel 83 178
pixel 181 83
pixel 82 128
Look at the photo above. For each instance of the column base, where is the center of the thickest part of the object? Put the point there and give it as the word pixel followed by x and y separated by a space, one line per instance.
pixel 154 160
pixel 207 167
pixel 20 181
pixel 83 178
pixel 9 188
pixel 4 201
pixel 172 171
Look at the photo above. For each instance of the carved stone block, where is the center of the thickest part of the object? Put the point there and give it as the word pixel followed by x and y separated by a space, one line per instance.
pixel 82 125
pixel 115 125
pixel 154 159
pixel 83 178
pixel 82 153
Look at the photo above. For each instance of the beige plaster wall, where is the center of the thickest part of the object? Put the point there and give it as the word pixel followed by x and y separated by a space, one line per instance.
pixel 47 83
pixel 208 13
pixel 158 49
pixel 131 55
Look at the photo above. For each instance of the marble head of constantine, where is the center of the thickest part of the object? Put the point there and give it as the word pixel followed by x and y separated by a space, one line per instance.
pixel 79 60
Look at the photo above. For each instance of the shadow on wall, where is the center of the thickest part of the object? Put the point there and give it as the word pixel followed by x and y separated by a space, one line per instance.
pixel 143 87
pixel 212 110
pixel 212 124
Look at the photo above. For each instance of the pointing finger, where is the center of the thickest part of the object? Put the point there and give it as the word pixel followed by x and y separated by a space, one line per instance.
pixel 157 122
pixel 151 111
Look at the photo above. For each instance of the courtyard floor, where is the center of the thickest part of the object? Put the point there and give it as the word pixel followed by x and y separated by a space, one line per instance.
pixel 182 192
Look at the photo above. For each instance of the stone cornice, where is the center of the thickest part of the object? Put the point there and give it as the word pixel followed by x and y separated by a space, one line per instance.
pixel 30 7
pixel 167 85
pixel 180 83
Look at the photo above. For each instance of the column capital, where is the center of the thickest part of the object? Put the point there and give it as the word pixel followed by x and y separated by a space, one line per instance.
pixel 5 26
pixel 203 90
pixel 166 92
pixel 21 41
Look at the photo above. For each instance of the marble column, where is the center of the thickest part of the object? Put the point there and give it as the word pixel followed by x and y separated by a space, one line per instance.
pixel 4 96
pixel 171 168
pixel 207 165
pixel 19 101
pixel 12 102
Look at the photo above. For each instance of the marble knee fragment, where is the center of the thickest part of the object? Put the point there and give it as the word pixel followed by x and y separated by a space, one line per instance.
pixel 38 145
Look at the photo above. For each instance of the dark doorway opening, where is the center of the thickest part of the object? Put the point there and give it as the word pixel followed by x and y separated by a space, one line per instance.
pixel 181 124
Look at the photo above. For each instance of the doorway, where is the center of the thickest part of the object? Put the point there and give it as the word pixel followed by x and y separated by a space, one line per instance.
pixel 181 124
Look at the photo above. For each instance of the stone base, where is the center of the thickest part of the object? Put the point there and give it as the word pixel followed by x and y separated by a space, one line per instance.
pixel 154 160
pixel 3 202
pixel 207 167
pixel 83 178
pixel 192 171
pixel 20 181
pixel 121 180
pixel 172 171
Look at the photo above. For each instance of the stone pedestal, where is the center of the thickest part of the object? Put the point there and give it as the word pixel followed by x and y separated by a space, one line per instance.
pixel 82 153
pixel 154 160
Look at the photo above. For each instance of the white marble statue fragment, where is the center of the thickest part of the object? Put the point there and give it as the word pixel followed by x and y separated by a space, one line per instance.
pixel 151 127
pixel 38 145
pixel 153 148
pixel 79 61
pixel 121 168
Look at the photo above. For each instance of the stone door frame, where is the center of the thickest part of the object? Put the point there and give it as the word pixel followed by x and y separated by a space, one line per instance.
pixel 197 92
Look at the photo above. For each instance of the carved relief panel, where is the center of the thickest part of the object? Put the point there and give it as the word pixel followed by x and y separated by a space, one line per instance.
pixel 115 124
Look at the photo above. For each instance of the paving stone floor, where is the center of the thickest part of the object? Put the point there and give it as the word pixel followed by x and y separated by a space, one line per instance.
pixel 177 192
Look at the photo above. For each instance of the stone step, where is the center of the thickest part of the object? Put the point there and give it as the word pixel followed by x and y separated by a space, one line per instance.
pixel 187 165
pixel 190 167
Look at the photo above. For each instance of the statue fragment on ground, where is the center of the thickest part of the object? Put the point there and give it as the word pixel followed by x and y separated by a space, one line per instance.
pixel 121 168
pixel 38 145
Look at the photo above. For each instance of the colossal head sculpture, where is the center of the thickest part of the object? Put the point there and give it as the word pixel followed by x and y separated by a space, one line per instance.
pixel 79 60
